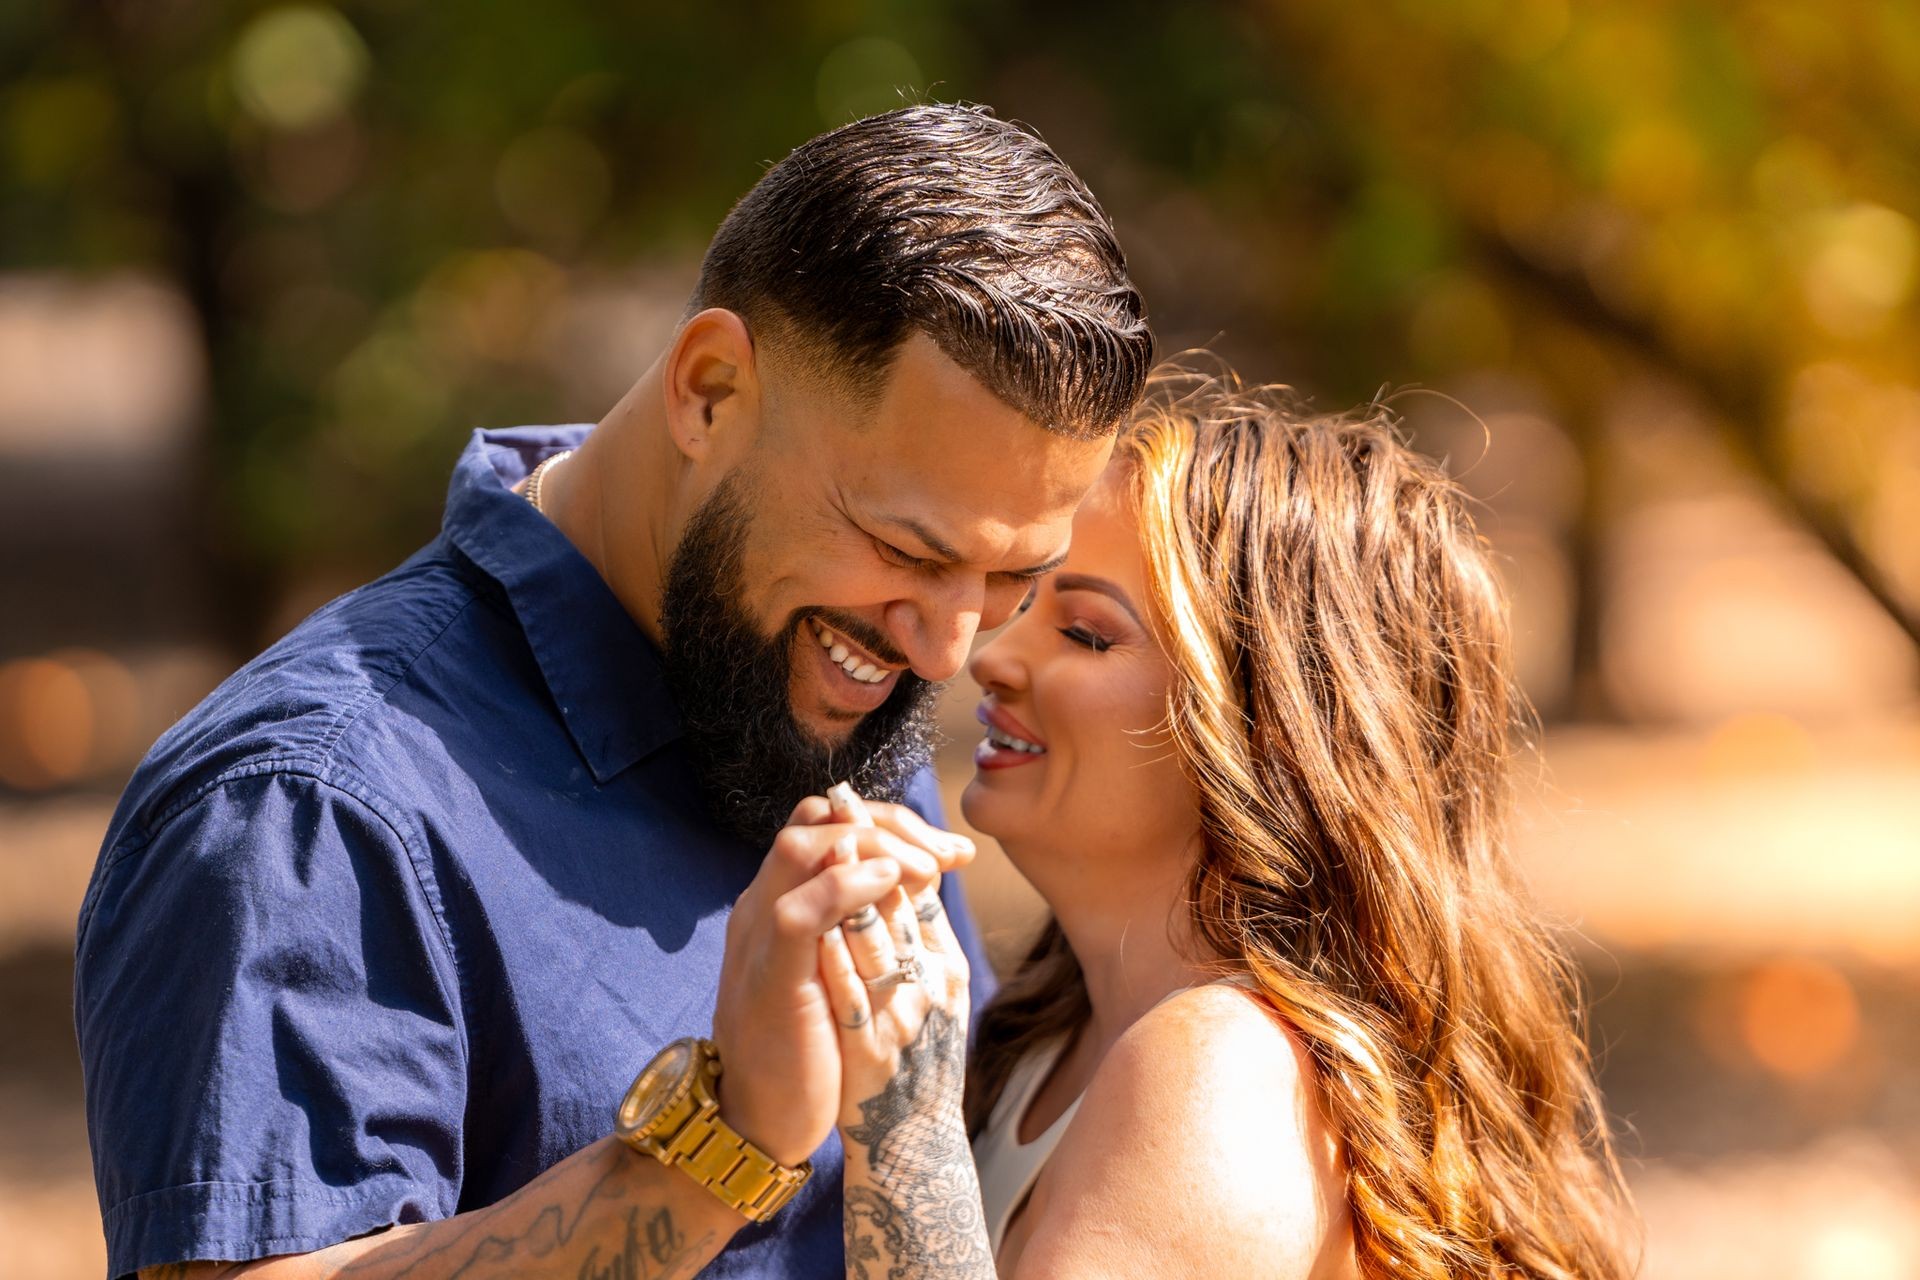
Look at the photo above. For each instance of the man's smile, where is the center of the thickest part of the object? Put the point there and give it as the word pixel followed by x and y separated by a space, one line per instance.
pixel 851 678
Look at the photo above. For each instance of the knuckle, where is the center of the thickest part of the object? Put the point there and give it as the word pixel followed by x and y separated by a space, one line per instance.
pixel 792 845
pixel 791 917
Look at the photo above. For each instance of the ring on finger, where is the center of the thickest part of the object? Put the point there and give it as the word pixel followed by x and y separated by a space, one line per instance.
pixel 908 970
pixel 891 978
pixel 865 918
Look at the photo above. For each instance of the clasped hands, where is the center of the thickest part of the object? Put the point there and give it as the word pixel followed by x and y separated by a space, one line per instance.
pixel 837 954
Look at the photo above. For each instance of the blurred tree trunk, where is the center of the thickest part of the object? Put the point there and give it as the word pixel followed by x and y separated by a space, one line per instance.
pixel 1588 697
pixel 199 203
pixel 1745 404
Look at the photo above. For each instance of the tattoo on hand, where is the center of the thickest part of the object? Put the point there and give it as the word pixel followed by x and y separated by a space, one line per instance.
pixel 928 911
pixel 922 1216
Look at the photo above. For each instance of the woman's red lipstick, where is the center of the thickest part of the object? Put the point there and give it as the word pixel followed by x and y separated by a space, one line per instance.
pixel 1008 742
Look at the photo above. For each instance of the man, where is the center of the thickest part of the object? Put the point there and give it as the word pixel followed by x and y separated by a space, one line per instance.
pixel 382 930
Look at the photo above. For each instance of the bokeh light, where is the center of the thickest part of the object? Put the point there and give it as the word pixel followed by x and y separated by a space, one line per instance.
pixel 1647 277
pixel 298 66
pixel 1799 1017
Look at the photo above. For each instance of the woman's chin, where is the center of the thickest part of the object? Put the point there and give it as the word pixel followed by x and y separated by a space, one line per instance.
pixel 984 811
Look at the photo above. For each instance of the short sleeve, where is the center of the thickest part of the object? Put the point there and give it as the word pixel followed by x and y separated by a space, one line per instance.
pixel 273 1051
pixel 923 797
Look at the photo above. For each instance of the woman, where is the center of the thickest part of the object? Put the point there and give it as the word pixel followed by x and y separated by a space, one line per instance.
pixel 1289 1017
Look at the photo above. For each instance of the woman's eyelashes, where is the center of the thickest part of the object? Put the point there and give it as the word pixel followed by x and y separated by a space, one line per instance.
pixel 1086 636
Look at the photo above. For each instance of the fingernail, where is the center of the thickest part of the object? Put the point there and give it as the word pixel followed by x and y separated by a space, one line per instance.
pixel 842 794
pixel 846 849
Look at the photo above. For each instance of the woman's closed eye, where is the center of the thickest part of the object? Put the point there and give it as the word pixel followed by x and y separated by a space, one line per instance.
pixel 1081 634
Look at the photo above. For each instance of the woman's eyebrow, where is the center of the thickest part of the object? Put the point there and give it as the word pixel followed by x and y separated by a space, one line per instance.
pixel 1104 586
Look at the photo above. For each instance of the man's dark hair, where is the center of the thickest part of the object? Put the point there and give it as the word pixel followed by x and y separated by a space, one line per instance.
pixel 957 224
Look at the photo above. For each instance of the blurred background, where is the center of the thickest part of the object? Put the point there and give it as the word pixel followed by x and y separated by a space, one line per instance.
pixel 263 267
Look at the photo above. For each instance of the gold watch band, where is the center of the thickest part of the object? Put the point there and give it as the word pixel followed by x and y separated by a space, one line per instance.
pixel 734 1169
pixel 682 1128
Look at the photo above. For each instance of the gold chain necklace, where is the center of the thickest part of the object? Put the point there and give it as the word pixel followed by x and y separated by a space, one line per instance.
pixel 539 473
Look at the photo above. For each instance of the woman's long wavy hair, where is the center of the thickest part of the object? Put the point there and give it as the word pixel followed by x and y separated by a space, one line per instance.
pixel 1342 701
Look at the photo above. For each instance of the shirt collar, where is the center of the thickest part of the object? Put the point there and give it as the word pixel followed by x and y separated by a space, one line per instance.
pixel 604 674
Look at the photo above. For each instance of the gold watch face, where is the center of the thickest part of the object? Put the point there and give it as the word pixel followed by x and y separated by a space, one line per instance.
pixel 664 1081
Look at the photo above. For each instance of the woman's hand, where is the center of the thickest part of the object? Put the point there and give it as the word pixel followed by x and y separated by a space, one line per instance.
pixel 780 1085
pixel 898 984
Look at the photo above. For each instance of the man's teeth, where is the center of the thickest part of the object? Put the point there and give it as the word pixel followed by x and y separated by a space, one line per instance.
pixel 851 662
pixel 1011 743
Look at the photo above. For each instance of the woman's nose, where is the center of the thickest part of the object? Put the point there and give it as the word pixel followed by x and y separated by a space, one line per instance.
pixel 999 664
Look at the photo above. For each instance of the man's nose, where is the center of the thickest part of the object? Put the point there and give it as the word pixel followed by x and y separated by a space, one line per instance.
pixel 935 633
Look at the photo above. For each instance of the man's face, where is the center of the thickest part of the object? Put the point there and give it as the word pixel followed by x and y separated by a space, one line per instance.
pixel 847 566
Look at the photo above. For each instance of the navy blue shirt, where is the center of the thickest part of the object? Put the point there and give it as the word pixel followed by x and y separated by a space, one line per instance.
pixel 386 925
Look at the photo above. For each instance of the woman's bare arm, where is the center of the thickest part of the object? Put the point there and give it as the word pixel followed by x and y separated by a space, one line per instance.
pixel 1199 1150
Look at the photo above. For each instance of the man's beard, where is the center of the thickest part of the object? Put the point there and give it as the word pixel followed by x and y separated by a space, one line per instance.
pixel 731 683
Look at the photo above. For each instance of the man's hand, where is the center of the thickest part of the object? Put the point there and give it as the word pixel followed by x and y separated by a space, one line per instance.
pixel 778 1042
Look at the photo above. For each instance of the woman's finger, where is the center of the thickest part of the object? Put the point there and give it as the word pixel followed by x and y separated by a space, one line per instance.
pixel 803 914
pixel 847 805
pixel 936 930
pixel 846 993
pixel 864 933
pixel 950 848
pixel 811 812
pixel 902 924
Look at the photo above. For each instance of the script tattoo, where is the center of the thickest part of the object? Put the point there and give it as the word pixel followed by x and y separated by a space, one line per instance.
pixel 651 1246
pixel 664 1247
pixel 921 1216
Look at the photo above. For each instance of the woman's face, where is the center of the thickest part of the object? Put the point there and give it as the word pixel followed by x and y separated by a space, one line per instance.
pixel 1077 761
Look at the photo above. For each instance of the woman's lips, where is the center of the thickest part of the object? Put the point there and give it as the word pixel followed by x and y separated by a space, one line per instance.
pixel 1008 743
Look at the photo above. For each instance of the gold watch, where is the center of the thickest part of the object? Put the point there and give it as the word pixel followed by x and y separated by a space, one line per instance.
pixel 673 1114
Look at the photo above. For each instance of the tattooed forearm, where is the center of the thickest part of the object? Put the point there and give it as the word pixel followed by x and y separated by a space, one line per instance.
pixel 664 1248
pixel 603 1213
pixel 912 1197
pixel 648 1245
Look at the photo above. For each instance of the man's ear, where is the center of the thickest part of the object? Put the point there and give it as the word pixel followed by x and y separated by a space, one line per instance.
pixel 712 387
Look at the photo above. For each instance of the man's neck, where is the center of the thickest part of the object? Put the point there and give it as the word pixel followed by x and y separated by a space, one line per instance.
pixel 613 500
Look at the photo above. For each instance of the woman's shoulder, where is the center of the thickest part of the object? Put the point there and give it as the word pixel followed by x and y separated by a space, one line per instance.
pixel 1215 1024
pixel 1201 1133
pixel 1220 1061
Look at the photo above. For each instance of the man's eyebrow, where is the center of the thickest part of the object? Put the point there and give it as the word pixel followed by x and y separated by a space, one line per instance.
pixel 934 542
pixel 1039 570
pixel 948 552
pixel 1106 587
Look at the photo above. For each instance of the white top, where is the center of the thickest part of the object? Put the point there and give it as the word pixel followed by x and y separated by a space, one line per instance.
pixel 1008 1167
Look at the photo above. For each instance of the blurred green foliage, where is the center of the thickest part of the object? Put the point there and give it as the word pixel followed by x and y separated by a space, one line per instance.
pixel 374 205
